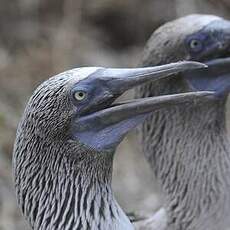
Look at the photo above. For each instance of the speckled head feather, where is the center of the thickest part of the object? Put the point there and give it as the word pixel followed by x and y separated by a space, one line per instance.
pixel 49 176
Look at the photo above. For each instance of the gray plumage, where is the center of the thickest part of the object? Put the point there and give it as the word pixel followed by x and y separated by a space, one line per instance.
pixel 187 146
pixel 65 143
pixel 55 188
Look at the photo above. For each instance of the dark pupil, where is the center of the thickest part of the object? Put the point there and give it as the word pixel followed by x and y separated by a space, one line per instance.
pixel 81 94
pixel 195 43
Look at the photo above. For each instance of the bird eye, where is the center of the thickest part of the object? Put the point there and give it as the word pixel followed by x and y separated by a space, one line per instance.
pixel 195 45
pixel 80 95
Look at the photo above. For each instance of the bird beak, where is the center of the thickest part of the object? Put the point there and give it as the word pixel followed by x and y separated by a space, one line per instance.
pixel 120 80
pixel 105 128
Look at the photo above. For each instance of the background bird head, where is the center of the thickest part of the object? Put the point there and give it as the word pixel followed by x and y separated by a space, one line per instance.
pixel 203 38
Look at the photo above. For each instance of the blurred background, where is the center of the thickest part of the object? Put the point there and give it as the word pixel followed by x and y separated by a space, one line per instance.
pixel 39 38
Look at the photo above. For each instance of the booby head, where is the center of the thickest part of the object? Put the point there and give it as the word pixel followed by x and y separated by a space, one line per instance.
pixel 80 103
pixel 204 38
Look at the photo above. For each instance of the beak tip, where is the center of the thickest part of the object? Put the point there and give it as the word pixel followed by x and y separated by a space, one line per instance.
pixel 194 65
pixel 204 94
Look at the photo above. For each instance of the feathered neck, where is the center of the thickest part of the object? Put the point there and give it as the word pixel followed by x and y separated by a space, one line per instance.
pixel 64 185
pixel 189 151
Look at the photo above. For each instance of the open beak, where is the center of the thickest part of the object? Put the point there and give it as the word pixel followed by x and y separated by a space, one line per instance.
pixel 133 108
pixel 105 128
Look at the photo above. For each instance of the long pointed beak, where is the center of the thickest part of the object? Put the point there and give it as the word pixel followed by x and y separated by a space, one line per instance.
pixel 120 80
pixel 133 108
pixel 104 130
pixel 104 124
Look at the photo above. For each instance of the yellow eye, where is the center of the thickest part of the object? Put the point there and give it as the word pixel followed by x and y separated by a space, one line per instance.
pixel 80 95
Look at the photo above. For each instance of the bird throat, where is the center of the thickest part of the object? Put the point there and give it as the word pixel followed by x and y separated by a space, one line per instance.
pixel 67 187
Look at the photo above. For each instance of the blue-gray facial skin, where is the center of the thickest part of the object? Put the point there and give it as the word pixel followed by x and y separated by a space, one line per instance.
pixel 101 125
pixel 211 45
